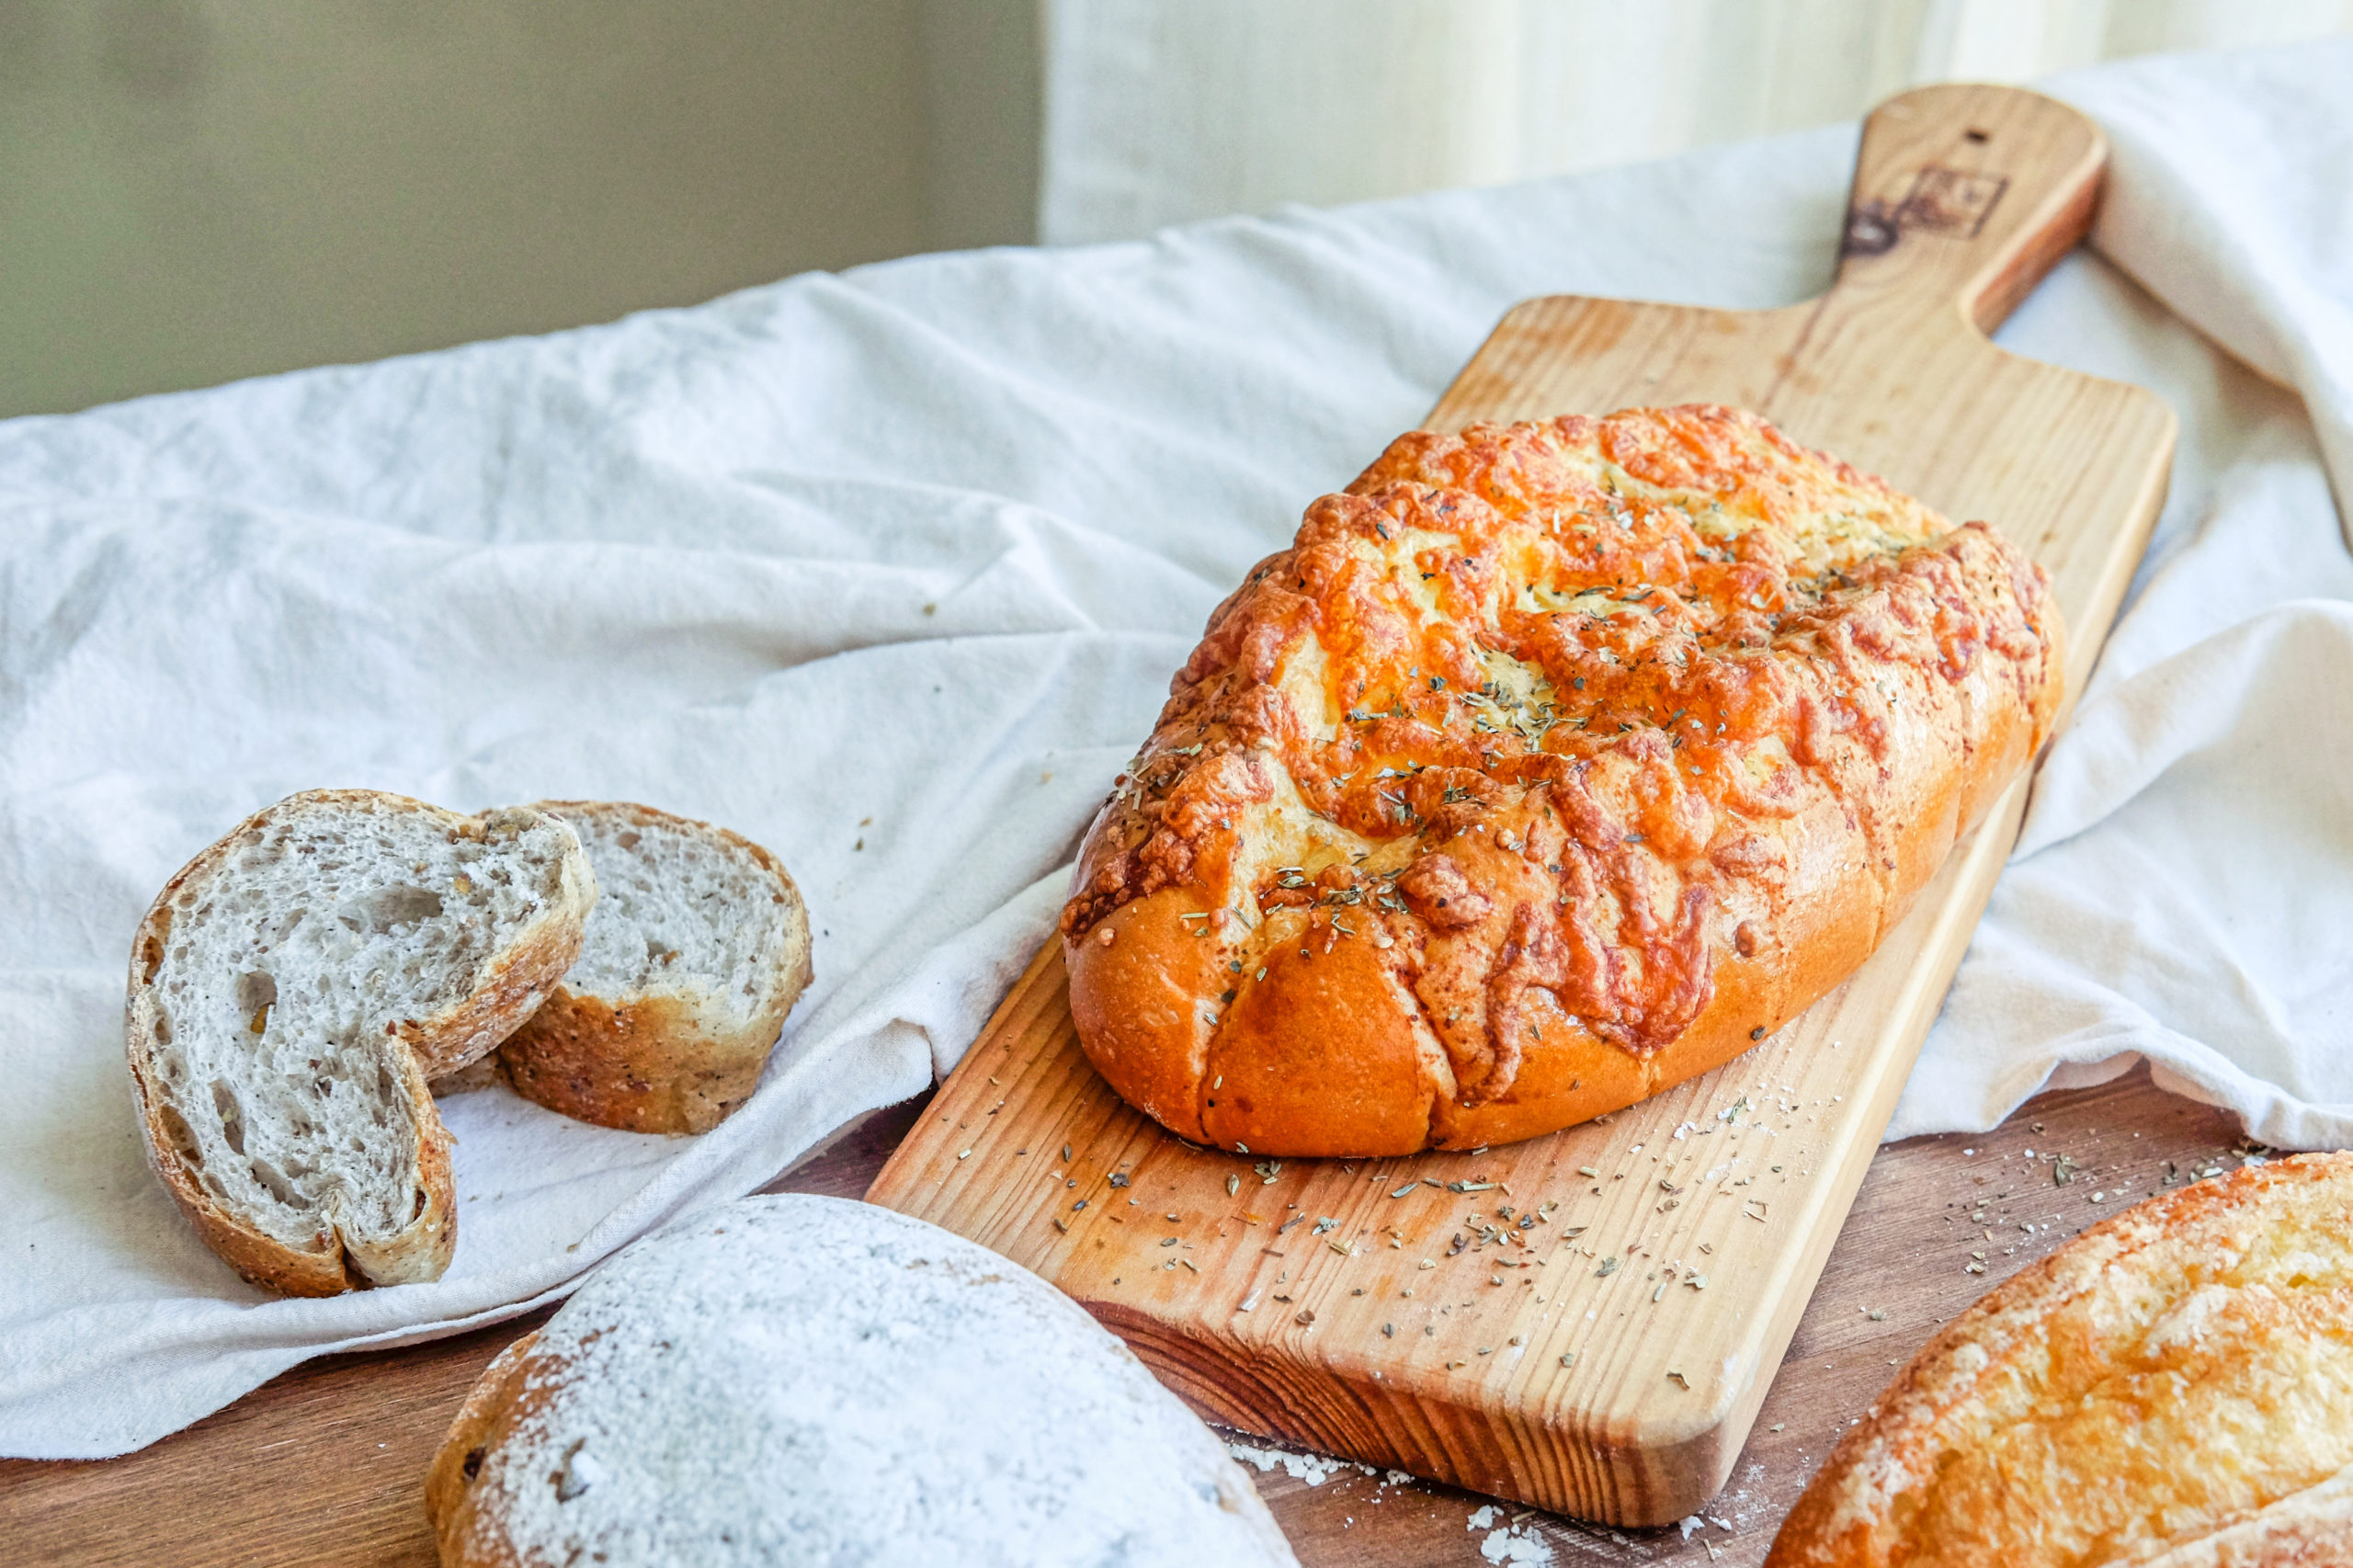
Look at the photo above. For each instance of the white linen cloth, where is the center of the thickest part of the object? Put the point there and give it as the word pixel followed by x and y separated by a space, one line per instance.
pixel 2182 890
pixel 888 571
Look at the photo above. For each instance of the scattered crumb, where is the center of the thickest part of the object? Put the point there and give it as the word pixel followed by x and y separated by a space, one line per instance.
pixel 1509 1542
pixel 1312 1468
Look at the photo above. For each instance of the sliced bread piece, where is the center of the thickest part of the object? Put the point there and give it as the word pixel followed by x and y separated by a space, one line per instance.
pixel 292 989
pixel 697 949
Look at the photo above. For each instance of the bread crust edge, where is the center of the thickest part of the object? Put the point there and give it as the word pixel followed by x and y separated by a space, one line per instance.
pixel 489 1411
pixel 1948 1370
pixel 650 1060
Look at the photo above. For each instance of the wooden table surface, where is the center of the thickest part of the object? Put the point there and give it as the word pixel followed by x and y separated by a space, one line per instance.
pixel 324 1464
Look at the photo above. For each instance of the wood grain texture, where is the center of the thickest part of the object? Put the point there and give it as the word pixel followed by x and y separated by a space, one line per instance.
pixel 1537 1368
pixel 1904 1256
pixel 326 1463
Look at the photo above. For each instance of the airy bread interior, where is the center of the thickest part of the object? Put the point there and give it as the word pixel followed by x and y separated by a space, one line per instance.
pixel 276 982
pixel 694 954
pixel 681 910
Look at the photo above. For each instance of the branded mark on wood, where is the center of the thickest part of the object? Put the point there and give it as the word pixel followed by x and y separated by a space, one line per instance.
pixel 1953 203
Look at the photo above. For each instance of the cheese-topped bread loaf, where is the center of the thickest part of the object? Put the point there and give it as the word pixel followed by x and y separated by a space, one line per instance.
pixel 2173 1388
pixel 1552 765
pixel 292 989
pixel 800 1380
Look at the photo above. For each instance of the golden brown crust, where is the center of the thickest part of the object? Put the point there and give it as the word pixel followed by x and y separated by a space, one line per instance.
pixel 2312 1529
pixel 2169 1387
pixel 1588 751
pixel 651 1065
pixel 656 1062
pixel 1140 1013
pixel 330 1264
pixel 489 1412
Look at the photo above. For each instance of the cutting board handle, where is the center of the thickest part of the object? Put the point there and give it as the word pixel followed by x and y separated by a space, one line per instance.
pixel 1965 195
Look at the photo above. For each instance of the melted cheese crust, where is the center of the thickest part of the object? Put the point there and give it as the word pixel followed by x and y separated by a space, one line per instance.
pixel 1532 710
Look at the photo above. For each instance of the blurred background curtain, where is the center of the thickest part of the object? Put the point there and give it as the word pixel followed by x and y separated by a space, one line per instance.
pixel 192 190
pixel 1160 111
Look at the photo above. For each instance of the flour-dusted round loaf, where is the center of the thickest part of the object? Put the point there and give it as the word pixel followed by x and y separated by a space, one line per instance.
pixel 292 988
pixel 2173 1388
pixel 1552 765
pixel 695 951
pixel 810 1382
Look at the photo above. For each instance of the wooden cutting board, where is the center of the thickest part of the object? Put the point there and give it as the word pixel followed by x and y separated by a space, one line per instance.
pixel 1607 1359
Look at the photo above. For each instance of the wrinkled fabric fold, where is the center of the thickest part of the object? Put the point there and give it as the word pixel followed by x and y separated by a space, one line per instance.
pixel 2184 878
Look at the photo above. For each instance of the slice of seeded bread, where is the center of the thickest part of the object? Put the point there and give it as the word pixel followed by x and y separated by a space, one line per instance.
pixel 292 989
pixel 697 949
